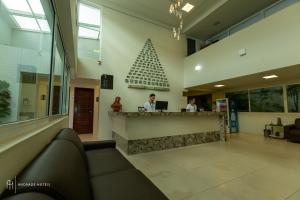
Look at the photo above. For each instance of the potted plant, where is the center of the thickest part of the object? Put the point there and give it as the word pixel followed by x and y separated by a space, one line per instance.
pixel 4 99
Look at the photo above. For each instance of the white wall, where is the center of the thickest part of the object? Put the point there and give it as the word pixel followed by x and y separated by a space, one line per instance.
pixel 271 43
pixel 123 38
pixel 253 122
pixel 5 31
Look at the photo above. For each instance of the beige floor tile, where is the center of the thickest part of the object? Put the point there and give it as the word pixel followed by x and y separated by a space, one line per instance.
pixel 178 184
pixel 87 137
pixel 246 167
pixel 259 185
pixel 294 196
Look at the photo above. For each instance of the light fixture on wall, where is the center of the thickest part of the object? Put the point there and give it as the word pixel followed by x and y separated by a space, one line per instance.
pixel 176 8
pixel 198 68
pixel 270 76
pixel 219 86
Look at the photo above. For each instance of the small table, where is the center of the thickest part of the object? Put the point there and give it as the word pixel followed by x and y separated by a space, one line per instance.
pixel 274 131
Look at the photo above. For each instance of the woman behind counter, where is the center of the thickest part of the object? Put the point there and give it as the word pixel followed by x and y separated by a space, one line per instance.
pixel 117 106
pixel 191 107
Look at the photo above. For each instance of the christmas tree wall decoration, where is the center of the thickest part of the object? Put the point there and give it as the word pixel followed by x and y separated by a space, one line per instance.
pixel 147 71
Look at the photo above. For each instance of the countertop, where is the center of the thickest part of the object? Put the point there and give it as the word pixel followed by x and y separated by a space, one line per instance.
pixel 149 114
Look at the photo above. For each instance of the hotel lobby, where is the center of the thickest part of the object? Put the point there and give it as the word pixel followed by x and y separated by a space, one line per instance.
pixel 150 100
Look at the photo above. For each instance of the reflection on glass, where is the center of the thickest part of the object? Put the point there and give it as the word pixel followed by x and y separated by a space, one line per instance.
pixel 57 75
pixel 25 54
pixel 293 95
pixel 267 100
pixel 66 91
pixel 240 99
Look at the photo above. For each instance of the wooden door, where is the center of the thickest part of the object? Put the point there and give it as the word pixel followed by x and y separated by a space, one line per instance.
pixel 83 110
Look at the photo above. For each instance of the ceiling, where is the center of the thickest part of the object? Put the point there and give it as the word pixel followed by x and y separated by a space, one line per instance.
pixel 225 16
pixel 285 75
pixel 200 22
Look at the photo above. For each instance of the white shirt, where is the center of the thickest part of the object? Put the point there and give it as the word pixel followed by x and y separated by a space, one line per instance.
pixel 191 108
pixel 150 107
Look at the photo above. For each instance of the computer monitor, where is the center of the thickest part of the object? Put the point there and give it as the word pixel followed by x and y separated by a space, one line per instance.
pixel 161 105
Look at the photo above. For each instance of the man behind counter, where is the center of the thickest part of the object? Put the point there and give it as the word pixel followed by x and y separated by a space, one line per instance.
pixel 150 104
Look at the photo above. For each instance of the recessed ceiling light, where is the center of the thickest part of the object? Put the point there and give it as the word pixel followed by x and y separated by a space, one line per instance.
pixel 271 76
pixel 218 86
pixel 198 68
pixel 187 7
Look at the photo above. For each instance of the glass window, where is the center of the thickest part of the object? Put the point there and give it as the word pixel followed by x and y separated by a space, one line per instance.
pixel 241 100
pixel 66 91
pixel 203 102
pixel 57 79
pixel 267 100
pixel 25 54
pixel 293 97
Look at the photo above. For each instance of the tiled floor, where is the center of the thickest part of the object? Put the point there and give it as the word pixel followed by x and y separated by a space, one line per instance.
pixel 87 137
pixel 246 167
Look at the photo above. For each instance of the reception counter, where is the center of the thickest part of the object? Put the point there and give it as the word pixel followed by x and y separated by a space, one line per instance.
pixel 139 132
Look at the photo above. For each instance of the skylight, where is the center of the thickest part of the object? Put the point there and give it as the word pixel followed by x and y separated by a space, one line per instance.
pixel 17 5
pixel 88 33
pixel 36 7
pixel 89 22
pixel 89 15
pixel 44 25
pixel 27 23
pixel 28 14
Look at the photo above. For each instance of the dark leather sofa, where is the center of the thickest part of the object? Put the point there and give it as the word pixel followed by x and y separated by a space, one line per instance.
pixel 292 132
pixel 82 171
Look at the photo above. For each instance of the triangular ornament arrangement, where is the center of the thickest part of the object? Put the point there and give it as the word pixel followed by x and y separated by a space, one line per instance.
pixel 147 71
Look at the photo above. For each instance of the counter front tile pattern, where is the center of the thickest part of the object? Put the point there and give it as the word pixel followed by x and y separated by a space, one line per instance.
pixel 163 143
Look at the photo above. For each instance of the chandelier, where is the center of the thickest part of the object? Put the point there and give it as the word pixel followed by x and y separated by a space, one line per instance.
pixel 176 10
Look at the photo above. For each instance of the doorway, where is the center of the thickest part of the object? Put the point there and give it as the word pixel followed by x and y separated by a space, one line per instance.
pixel 83 110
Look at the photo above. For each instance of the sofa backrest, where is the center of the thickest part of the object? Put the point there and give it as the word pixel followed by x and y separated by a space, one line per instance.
pixel 71 136
pixel 29 196
pixel 62 167
pixel 297 123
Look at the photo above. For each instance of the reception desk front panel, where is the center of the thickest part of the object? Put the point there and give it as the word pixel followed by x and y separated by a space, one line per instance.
pixel 137 132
